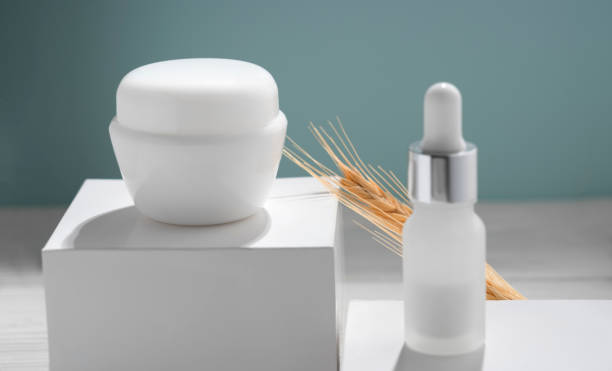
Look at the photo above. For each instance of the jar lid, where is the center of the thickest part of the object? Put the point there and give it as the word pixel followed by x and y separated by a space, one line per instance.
pixel 202 96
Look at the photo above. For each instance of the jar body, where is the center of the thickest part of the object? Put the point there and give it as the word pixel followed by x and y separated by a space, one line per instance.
pixel 444 279
pixel 199 180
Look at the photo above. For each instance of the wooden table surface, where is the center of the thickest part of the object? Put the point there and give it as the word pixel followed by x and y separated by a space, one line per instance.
pixel 547 250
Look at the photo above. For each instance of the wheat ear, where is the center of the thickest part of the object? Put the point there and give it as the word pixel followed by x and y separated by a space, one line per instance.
pixel 372 192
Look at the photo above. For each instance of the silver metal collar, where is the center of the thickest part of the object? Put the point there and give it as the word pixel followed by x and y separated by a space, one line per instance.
pixel 443 178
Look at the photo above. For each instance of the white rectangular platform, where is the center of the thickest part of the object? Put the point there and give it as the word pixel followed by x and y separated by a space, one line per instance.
pixel 520 335
pixel 124 292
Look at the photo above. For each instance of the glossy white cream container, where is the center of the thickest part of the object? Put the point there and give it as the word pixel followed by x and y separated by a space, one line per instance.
pixel 198 141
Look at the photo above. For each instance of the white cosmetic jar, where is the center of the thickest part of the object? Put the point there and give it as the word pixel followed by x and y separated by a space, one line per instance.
pixel 198 141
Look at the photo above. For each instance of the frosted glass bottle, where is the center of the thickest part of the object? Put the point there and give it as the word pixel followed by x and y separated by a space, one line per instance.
pixel 444 240
pixel 444 278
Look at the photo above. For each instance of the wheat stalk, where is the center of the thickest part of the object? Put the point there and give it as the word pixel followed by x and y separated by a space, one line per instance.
pixel 372 192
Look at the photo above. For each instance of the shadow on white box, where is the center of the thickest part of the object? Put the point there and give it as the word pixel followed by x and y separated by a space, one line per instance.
pixel 125 292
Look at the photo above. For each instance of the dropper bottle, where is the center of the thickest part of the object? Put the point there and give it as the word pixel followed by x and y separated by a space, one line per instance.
pixel 444 240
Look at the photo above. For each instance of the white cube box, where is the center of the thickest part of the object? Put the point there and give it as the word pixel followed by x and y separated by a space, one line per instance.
pixel 124 292
pixel 526 335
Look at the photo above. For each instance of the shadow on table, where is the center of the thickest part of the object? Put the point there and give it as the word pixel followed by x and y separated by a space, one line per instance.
pixel 410 360
pixel 128 228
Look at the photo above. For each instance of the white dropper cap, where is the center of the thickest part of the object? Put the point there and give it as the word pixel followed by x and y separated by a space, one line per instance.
pixel 442 167
pixel 442 131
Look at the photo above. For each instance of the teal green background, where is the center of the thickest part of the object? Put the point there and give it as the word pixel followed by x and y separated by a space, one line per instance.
pixel 535 77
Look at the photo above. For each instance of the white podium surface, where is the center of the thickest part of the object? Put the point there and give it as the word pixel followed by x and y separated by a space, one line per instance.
pixel 521 335
pixel 124 292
